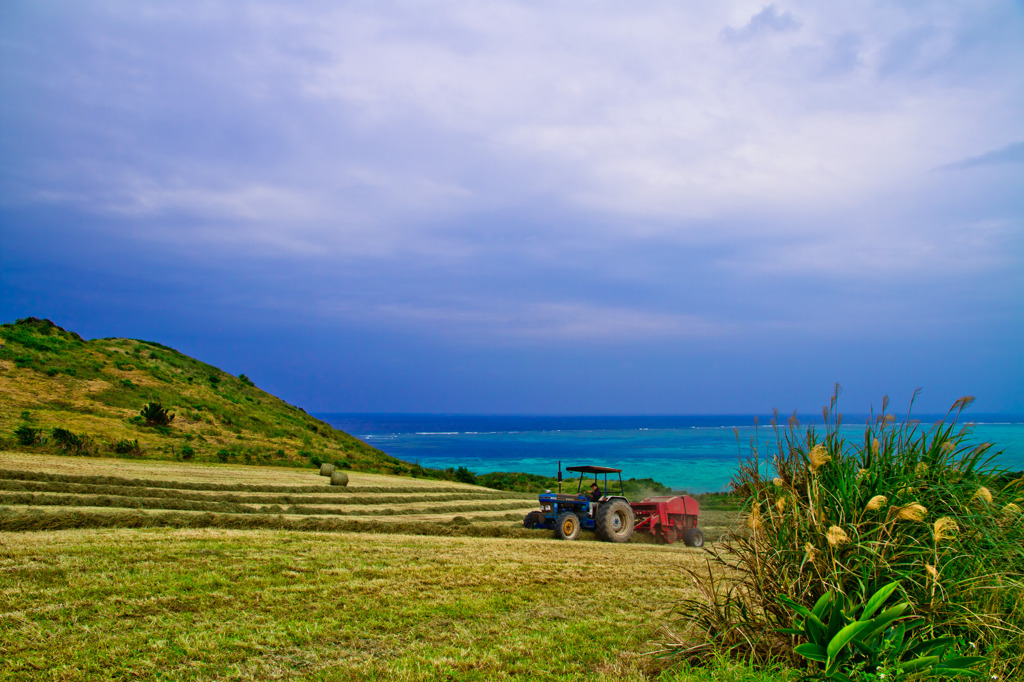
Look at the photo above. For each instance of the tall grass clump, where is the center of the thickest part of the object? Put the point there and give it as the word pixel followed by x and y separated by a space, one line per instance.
pixel 919 512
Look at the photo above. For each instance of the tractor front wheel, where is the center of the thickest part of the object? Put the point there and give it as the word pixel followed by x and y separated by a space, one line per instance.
pixel 614 521
pixel 533 520
pixel 567 526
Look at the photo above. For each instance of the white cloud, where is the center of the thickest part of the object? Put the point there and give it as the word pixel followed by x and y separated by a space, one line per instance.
pixel 768 20
pixel 358 129
pixel 516 321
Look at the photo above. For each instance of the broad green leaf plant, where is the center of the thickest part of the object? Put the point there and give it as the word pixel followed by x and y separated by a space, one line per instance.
pixel 871 644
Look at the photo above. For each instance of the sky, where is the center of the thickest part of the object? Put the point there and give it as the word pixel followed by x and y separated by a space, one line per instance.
pixel 667 207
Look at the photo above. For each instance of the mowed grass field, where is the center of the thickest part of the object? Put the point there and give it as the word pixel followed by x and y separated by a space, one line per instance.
pixel 91 590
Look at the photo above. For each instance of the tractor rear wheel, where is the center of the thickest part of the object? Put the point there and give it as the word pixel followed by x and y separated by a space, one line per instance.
pixel 567 526
pixel 693 538
pixel 533 519
pixel 614 521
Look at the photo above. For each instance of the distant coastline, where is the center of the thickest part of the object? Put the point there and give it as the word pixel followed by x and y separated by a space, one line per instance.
pixel 696 453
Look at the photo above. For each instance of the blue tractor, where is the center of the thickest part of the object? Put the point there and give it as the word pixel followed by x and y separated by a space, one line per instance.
pixel 607 512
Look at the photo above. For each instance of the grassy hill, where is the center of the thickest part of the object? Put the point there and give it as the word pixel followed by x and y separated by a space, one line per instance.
pixel 62 394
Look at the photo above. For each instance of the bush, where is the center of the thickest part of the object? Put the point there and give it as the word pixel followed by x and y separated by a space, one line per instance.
pixel 154 414
pixel 127 447
pixel 187 452
pixel 921 509
pixel 245 380
pixel 464 475
pixel 223 455
pixel 26 435
pixel 71 442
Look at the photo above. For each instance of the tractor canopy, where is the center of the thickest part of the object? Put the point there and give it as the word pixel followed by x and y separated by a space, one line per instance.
pixel 595 471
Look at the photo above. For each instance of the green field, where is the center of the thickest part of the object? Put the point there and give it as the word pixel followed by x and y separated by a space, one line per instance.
pixel 414 594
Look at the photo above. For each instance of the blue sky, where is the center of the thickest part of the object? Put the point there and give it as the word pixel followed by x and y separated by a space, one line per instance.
pixel 519 207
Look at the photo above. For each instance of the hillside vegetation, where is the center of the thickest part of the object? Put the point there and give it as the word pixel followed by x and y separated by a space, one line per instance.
pixel 63 394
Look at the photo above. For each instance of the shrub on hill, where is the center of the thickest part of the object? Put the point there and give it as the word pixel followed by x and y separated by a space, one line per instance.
pixel 155 415
pixel 127 447
pixel 26 435
pixel 926 511
pixel 72 443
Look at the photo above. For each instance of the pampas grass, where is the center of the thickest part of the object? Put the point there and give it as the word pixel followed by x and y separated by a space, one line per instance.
pixel 922 507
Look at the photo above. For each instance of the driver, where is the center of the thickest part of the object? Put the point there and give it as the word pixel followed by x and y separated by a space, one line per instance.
pixel 595 497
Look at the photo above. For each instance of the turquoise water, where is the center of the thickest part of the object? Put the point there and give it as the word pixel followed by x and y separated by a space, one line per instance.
pixel 693 453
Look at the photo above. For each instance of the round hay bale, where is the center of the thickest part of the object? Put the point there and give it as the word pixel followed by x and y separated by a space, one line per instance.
pixel 326 469
pixel 339 478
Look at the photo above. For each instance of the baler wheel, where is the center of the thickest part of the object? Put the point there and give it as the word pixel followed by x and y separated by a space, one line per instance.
pixel 567 526
pixel 614 521
pixel 693 538
pixel 533 519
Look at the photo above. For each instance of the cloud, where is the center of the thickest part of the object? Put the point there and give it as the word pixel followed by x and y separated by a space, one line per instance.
pixel 472 136
pixel 547 321
pixel 1010 154
pixel 768 20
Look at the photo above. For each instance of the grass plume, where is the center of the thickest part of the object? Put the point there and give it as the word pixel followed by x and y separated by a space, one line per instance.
pixel 921 507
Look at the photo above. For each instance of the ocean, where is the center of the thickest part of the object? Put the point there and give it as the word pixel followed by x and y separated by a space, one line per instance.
pixel 692 453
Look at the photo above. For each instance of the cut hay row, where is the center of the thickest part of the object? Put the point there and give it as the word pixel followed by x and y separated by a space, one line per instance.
pixel 393 520
pixel 254 498
pixel 323 487
pixel 39 500
pixel 65 500
pixel 65 519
